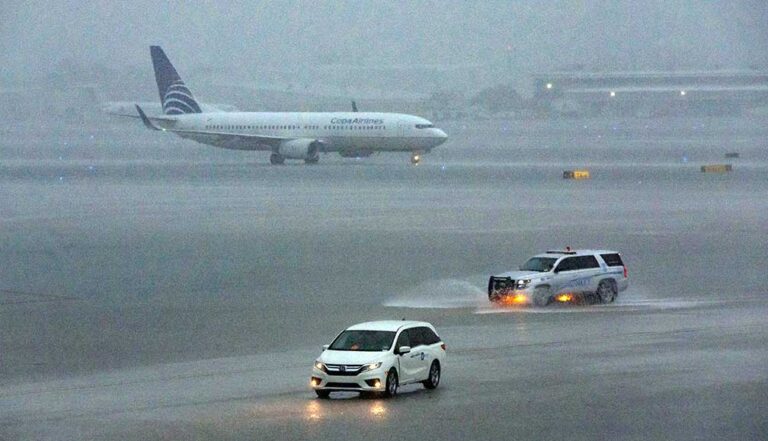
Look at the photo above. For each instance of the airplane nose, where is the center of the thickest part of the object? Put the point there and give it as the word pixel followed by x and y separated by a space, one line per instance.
pixel 440 136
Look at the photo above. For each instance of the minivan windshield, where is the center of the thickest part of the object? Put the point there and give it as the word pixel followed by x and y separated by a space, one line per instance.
pixel 371 341
pixel 539 264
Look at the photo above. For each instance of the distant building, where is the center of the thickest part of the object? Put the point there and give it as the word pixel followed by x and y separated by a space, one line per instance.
pixel 650 93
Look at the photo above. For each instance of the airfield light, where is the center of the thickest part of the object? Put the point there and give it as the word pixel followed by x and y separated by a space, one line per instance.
pixel 549 85
pixel 682 93
pixel 613 94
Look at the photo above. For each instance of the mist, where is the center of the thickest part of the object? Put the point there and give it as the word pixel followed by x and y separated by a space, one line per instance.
pixel 496 40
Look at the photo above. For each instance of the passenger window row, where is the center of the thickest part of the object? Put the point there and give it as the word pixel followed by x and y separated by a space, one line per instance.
pixel 288 127
pixel 354 127
pixel 260 127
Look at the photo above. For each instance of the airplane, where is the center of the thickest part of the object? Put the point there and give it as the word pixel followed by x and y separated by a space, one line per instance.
pixel 287 135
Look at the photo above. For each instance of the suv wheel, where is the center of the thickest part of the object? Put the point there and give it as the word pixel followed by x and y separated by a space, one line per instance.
pixel 541 296
pixel 606 291
pixel 392 384
pixel 434 376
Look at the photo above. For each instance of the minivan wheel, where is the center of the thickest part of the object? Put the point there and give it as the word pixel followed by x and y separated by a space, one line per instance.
pixel 606 291
pixel 434 376
pixel 392 384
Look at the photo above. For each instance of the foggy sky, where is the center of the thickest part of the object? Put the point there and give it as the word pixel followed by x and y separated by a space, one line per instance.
pixel 527 36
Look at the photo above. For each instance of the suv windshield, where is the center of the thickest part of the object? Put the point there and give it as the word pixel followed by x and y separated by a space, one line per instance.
pixel 540 264
pixel 372 341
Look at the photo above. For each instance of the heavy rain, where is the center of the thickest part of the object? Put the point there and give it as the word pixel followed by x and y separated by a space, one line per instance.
pixel 154 288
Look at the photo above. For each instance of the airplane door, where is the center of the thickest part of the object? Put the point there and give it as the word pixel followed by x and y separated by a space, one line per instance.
pixel 401 128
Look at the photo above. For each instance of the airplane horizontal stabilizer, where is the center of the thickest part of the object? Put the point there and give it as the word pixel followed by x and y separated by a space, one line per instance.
pixel 146 120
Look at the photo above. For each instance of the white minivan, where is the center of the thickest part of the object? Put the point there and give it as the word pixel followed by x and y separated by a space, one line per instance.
pixel 379 357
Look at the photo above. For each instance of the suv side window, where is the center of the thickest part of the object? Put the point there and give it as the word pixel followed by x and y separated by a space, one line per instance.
pixel 567 264
pixel 585 262
pixel 612 259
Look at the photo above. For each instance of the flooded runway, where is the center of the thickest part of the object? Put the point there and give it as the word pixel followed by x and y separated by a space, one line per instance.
pixel 153 288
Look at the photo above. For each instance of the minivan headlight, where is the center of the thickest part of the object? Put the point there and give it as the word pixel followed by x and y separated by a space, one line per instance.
pixel 370 366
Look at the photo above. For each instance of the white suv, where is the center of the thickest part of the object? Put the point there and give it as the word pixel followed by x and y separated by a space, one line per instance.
pixel 379 357
pixel 570 276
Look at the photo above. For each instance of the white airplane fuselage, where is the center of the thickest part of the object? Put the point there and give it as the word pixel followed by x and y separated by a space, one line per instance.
pixel 338 131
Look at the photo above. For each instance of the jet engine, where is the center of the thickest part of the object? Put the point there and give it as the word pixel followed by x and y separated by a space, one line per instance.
pixel 302 148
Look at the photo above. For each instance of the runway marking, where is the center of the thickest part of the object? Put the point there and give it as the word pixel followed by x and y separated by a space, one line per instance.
pixel 31 297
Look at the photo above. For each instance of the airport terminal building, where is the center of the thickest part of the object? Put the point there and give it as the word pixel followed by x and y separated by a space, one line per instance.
pixel 650 93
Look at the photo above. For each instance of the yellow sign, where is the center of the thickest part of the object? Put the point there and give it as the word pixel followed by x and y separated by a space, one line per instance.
pixel 576 174
pixel 716 168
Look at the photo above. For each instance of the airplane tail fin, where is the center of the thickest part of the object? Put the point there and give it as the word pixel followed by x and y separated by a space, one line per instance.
pixel 175 96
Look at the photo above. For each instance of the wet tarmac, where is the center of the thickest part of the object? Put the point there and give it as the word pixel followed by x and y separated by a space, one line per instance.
pixel 153 288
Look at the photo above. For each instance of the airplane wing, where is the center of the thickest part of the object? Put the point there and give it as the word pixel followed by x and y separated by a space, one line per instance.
pixel 234 141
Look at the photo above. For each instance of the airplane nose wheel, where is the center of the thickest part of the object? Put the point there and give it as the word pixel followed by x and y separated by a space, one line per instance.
pixel 276 159
pixel 415 158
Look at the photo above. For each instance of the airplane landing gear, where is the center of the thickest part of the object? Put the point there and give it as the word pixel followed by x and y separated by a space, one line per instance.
pixel 276 159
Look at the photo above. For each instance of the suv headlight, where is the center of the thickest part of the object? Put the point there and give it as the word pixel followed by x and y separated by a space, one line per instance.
pixel 370 367
pixel 319 365
pixel 523 283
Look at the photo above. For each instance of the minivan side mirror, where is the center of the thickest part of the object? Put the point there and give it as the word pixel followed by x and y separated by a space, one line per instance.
pixel 403 350
pixel 326 347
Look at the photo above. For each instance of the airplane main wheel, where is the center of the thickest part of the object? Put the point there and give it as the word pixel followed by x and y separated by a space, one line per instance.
pixel 276 159
pixel 415 158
